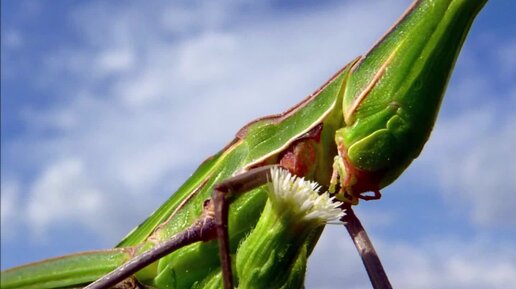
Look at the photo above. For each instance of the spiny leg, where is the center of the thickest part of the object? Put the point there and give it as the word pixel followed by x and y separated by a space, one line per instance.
pixel 222 192
pixel 202 230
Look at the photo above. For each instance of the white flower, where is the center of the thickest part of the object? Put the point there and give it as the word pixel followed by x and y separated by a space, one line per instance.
pixel 301 197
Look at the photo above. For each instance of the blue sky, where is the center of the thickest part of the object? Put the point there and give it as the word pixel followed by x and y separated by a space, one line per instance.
pixel 107 108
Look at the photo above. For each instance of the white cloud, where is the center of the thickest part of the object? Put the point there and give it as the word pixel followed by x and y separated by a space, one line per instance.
pixel 154 90
pixel 432 264
pixel 471 149
pixel 485 176
pixel 507 58
pixel 116 60
pixel 63 192
pixel 451 264
pixel 11 39
pixel 10 208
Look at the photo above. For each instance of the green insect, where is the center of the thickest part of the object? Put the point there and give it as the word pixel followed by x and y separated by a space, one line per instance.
pixel 354 135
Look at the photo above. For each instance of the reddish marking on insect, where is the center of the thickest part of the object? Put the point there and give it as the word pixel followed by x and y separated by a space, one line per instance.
pixel 366 181
pixel 300 159
pixel 313 134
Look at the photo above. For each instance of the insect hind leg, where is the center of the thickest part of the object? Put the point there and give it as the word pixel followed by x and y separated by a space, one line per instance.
pixel 222 194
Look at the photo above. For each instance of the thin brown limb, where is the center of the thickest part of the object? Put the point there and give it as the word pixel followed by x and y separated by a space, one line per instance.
pixel 222 192
pixel 365 249
pixel 202 230
pixel 221 221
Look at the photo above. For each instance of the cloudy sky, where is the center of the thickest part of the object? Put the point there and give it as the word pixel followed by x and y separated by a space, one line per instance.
pixel 107 108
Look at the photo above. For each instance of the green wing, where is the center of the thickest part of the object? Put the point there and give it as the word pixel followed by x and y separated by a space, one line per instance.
pixel 257 141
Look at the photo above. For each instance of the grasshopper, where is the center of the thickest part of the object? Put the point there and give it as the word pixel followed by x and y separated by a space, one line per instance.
pixel 355 134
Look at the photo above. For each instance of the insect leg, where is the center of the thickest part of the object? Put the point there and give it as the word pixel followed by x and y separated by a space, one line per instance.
pixel 365 248
pixel 202 230
pixel 222 192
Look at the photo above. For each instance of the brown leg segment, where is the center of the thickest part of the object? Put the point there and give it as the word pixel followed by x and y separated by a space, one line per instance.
pixel 365 249
pixel 202 230
pixel 212 224
pixel 222 192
